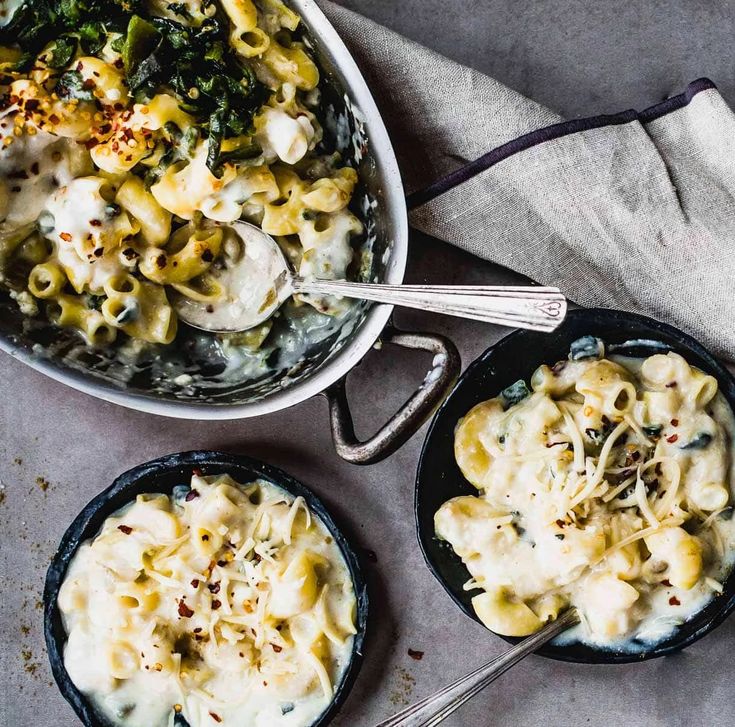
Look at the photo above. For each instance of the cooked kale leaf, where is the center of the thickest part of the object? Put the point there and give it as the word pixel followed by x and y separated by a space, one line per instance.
pixel 62 52
pixel 37 22
pixel 215 86
pixel 197 63
pixel 72 85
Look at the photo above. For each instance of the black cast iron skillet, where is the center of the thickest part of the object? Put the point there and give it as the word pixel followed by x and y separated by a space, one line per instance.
pixel 517 356
pixel 162 475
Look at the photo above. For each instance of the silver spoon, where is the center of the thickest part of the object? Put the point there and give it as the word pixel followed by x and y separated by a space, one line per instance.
pixel 436 708
pixel 256 280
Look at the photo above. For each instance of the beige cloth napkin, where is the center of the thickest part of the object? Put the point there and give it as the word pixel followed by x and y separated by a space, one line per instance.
pixel 634 210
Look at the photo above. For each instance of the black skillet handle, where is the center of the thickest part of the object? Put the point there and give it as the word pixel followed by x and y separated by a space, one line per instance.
pixel 407 420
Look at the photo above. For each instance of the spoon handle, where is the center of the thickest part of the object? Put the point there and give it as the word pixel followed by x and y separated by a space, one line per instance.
pixel 536 308
pixel 436 708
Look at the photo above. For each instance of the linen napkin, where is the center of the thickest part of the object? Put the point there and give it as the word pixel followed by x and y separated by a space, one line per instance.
pixel 634 210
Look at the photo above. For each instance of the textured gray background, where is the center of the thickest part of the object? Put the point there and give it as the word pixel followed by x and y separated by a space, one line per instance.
pixel 577 57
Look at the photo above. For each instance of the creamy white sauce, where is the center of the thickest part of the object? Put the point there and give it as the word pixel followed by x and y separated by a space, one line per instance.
pixel 231 607
pixel 32 167
pixel 7 10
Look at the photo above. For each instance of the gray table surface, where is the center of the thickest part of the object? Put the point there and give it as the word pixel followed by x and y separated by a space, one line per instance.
pixel 577 57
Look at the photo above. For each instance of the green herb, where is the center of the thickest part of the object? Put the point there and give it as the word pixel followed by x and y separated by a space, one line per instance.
pixel 653 430
pixel 179 720
pixel 701 441
pixel 92 37
pixel 586 347
pixel 211 81
pixel 38 22
pixel 180 9
pixel 141 40
pixel 72 85
pixel 95 301
pixel 514 393
pixel 118 44
pixel 62 52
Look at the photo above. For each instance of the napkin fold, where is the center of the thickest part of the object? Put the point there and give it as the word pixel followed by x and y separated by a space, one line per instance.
pixel 634 210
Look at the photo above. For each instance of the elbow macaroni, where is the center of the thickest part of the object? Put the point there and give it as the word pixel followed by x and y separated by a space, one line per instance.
pixel 121 188
pixel 608 486
pixel 223 599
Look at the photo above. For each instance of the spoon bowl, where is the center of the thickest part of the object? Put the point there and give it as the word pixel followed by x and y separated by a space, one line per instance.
pixel 249 284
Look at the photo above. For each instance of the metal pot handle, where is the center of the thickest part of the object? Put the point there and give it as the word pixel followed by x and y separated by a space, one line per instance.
pixel 407 420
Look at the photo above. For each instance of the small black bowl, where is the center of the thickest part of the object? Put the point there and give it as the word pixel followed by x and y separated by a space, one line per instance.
pixel 162 475
pixel 516 357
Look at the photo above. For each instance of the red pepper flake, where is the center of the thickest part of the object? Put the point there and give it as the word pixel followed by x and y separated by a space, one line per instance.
pixel 184 610
pixel 216 604
pixel 278 649
pixel 195 583
pixel 32 104
pixel 214 587
pixel 95 223
pixel 89 84
pixel 99 252
pixel 54 119
pixel 560 523
pixel 197 472
pixel 91 143
pixel 674 601
pixel 674 422
pixel 672 438
pixel 215 717
pixel 198 630
pixel 80 66
pixel 416 655
pixel 221 563
pixel 205 537
pixel 125 529
pixel 65 236
pixel 666 582
pixel 161 261
pixel 191 495
pixel 671 385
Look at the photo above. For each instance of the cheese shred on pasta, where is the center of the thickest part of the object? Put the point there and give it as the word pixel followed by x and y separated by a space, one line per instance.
pixel 628 517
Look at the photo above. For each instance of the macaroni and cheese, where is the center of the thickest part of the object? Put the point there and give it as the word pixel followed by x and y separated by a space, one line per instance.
pixel 223 604
pixel 608 486
pixel 130 130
